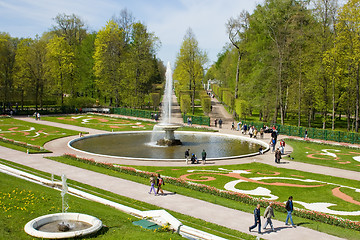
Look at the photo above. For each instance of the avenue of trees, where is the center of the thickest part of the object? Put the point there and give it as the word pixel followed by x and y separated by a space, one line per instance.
pixel 293 59
pixel 70 66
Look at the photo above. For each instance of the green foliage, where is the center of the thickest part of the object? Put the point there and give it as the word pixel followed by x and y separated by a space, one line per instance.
pixel 241 108
pixel 228 98
pixel 155 99
pixel 185 103
pixel 206 104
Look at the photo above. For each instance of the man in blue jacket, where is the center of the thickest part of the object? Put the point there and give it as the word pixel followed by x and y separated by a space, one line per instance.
pixel 257 219
pixel 289 208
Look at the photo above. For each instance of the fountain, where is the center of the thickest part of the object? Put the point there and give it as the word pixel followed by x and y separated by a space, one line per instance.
pixel 165 124
pixel 161 143
pixel 64 224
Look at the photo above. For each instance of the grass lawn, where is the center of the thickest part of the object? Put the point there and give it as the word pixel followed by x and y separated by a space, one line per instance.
pixel 297 192
pixel 115 221
pixel 102 122
pixel 31 133
pixel 326 155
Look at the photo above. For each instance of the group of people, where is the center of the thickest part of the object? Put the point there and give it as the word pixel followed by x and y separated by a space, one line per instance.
pixel 269 213
pixel 245 129
pixel 193 158
pixel 220 122
pixel 159 183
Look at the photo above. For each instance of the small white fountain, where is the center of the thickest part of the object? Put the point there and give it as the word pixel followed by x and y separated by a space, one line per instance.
pixel 165 124
pixel 63 225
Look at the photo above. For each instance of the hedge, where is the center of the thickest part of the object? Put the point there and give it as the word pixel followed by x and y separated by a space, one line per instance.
pixel 155 99
pixel 241 108
pixel 206 104
pixel 134 112
pixel 278 206
pixel 228 99
pixel 185 103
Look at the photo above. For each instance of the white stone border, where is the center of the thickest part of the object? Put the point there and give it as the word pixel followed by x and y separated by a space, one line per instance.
pixel 256 141
pixel 31 227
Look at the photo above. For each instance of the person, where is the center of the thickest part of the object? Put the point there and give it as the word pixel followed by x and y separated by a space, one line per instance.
pixel 38 116
pixel 245 128
pixel 261 132
pixel 257 219
pixel 268 214
pixel 261 150
pixel 203 156
pixel 282 146
pixel 273 144
pixel 289 208
pixel 156 117
pixel 35 114
pixel 238 125
pixel 159 183
pixel 189 121
pixel 193 159
pixel 152 183
pixel 277 155
pixel 306 134
pixel 255 132
pixel 187 155
pixel 233 126
pixel 220 123
pixel 274 134
pixel 215 122
pixel 251 131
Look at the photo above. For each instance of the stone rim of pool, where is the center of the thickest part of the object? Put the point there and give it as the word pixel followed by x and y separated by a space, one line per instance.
pixel 242 138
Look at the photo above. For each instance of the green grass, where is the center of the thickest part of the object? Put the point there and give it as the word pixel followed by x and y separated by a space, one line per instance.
pixel 21 148
pixel 102 122
pixel 312 153
pixel 75 206
pixel 32 133
pixel 330 229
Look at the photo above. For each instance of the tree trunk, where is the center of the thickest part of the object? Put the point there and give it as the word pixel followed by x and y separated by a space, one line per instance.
pixel 237 75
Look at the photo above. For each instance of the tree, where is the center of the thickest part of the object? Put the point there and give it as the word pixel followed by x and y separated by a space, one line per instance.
pixel 60 60
pixel 109 60
pixel 189 64
pixel 7 60
pixel 30 76
pixel 235 29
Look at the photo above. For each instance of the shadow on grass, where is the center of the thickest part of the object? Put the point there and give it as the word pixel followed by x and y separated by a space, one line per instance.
pixel 303 223
pixel 101 232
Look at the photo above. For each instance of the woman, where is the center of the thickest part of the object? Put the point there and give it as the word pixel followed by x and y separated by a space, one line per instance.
pixel 159 183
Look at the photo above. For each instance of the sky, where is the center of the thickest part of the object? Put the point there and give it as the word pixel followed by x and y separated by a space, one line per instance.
pixel 167 19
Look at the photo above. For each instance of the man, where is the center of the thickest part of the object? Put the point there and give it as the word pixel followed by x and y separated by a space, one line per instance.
pixel 203 156
pixel 277 155
pixel 159 183
pixel 257 219
pixel 289 208
pixel 187 155
pixel 268 214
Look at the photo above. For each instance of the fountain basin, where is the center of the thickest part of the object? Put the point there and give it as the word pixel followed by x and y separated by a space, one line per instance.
pixel 137 145
pixel 32 227
pixel 169 138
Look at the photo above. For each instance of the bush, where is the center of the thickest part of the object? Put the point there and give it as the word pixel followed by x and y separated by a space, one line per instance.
pixel 241 108
pixel 206 104
pixel 185 103
pixel 80 102
pixel 228 99
pixel 155 99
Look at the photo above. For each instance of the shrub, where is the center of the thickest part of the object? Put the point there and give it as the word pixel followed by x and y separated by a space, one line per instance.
pixel 206 104
pixel 228 98
pixel 185 103
pixel 155 99
pixel 241 108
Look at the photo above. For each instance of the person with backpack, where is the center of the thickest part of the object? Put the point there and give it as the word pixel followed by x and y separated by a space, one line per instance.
pixel 159 183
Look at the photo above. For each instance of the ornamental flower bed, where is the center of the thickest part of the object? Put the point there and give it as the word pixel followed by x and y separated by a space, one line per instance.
pixel 22 144
pixel 278 206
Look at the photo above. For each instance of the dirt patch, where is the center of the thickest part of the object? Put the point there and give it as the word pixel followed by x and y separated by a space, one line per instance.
pixel 337 193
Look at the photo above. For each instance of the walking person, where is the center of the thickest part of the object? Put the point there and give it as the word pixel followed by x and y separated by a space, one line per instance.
pixel 261 133
pixel 215 122
pixel 257 219
pixel 268 214
pixel 152 183
pixel 220 122
pixel 289 208
pixel 187 155
pixel 203 156
pixel 277 155
pixel 159 183
pixel 282 146
pixel 306 134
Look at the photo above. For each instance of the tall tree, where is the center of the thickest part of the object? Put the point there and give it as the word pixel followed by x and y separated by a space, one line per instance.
pixel 30 76
pixel 189 64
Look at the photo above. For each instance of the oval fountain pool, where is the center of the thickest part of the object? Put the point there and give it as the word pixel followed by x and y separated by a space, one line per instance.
pixel 139 145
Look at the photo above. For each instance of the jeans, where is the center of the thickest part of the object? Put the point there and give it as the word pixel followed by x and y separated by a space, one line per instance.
pixel 152 188
pixel 289 216
pixel 268 221
pixel 256 224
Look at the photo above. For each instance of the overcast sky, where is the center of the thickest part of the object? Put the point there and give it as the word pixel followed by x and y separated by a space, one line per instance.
pixel 168 19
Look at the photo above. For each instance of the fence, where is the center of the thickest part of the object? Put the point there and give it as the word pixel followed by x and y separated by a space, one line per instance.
pixel 315 133
pixel 134 112
pixel 200 120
